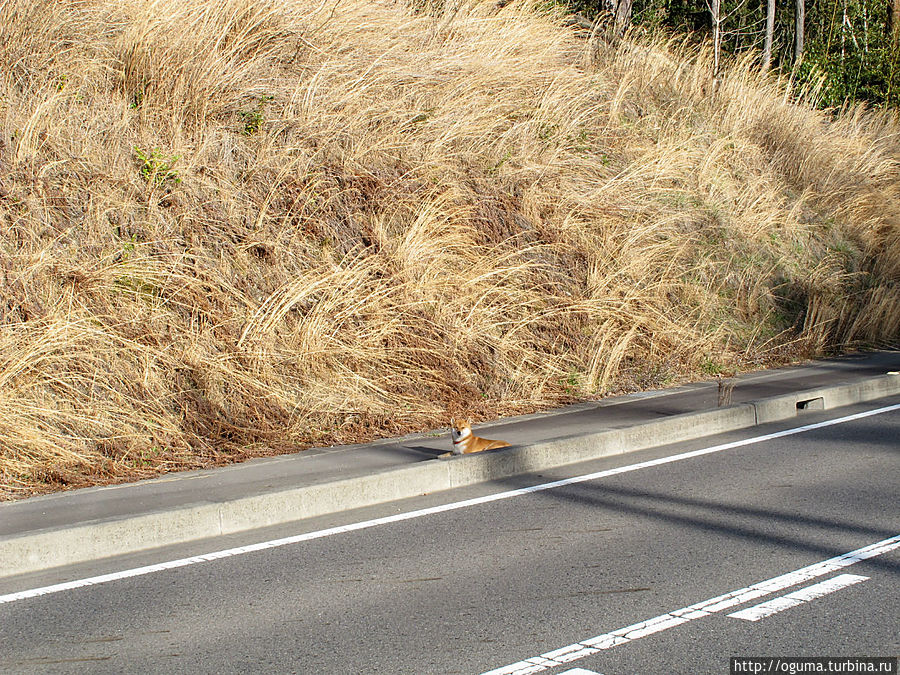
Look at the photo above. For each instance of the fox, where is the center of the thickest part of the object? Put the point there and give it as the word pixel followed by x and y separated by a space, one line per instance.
pixel 465 442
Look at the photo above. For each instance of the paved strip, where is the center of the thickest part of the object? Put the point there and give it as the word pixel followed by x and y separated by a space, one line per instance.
pixel 579 650
pixel 770 607
pixel 88 525
pixel 318 534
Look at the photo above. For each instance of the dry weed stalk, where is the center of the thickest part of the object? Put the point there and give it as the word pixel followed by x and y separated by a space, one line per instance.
pixel 237 228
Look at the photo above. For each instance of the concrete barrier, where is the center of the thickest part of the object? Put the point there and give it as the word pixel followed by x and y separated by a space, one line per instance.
pixel 92 540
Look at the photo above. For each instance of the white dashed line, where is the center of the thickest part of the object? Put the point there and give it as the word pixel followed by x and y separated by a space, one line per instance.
pixel 699 610
pixel 770 607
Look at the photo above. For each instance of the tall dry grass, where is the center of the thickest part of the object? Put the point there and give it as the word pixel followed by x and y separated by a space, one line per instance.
pixel 237 228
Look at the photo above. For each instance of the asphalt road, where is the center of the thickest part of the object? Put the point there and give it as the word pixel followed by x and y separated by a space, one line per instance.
pixel 478 587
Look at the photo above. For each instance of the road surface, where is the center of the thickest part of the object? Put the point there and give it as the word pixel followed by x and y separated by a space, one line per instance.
pixel 666 561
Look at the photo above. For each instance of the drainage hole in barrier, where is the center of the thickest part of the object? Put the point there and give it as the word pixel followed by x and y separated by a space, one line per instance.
pixel 811 404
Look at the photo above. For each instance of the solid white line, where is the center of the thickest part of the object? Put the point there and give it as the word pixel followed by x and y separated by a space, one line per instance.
pixel 764 609
pixel 699 610
pixel 296 539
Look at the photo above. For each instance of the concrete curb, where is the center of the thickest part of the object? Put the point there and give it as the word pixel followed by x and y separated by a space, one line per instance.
pixel 44 549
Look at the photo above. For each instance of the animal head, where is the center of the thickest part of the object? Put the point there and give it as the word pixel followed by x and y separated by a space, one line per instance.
pixel 459 429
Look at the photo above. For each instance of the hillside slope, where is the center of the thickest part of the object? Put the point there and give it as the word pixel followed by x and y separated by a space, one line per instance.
pixel 245 227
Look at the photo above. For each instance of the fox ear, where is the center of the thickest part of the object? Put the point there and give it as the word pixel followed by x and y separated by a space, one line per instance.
pixel 452 422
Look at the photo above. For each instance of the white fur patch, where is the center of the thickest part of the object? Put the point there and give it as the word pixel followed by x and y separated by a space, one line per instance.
pixel 460 439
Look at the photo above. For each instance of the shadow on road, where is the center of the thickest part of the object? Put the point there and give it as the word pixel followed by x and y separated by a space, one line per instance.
pixel 759 526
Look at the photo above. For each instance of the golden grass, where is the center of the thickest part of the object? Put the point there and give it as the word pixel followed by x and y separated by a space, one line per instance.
pixel 237 228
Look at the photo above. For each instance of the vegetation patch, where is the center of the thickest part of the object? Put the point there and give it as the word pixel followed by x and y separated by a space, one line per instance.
pixel 239 228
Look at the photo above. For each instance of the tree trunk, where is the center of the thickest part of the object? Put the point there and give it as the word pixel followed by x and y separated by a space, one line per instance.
pixel 894 28
pixel 844 21
pixel 770 31
pixel 623 16
pixel 894 20
pixel 715 9
pixel 800 20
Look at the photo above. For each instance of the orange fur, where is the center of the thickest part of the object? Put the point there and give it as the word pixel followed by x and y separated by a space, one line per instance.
pixel 465 442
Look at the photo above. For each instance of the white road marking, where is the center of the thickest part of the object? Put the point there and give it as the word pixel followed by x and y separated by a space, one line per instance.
pixel 362 525
pixel 580 671
pixel 770 607
pixel 699 610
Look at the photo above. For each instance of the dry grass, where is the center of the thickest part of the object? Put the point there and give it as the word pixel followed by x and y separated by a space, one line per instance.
pixel 245 227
